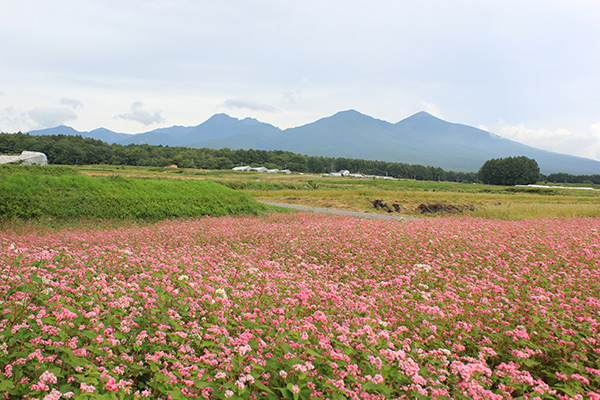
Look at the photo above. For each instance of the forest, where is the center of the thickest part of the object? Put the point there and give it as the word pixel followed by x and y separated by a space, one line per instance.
pixel 77 150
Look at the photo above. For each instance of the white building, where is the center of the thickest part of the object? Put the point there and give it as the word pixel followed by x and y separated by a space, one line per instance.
pixel 246 168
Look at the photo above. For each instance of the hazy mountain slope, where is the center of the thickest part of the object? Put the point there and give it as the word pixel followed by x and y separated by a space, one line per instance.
pixel 57 130
pixel 106 135
pixel 102 134
pixel 419 139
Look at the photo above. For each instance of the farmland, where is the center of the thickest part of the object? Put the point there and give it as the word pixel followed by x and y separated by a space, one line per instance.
pixel 286 306
pixel 409 196
pixel 304 305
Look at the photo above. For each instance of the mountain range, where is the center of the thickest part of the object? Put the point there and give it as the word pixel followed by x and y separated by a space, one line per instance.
pixel 419 139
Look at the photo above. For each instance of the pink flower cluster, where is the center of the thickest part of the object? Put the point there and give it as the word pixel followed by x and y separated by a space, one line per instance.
pixel 303 306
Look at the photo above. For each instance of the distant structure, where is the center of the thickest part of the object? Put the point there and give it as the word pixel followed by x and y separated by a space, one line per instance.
pixel 343 172
pixel 347 173
pixel 261 169
pixel 26 158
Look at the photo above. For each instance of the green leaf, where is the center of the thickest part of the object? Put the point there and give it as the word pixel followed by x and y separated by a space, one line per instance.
pixel 314 353
pixel 66 388
pixel 176 394
pixel 202 384
pixel 4 385
pixel 263 387
pixel 24 288
pixel 78 361
pixel 531 363
pixel 285 393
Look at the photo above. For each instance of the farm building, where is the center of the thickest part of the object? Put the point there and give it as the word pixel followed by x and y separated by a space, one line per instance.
pixel 245 168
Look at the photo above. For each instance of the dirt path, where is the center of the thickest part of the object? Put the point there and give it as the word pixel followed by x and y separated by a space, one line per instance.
pixel 342 212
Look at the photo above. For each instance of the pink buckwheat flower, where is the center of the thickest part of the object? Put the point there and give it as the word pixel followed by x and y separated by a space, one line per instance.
pixel 48 377
pixel 85 388
pixel 53 395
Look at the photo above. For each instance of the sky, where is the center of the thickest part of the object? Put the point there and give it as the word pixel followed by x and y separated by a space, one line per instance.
pixel 527 70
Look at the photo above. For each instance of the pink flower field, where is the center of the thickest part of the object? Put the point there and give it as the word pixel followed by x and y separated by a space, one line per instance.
pixel 303 306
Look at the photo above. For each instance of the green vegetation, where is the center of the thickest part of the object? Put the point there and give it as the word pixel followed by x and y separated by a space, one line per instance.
pixel 52 193
pixel 509 171
pixel 411 197
pixel 76 150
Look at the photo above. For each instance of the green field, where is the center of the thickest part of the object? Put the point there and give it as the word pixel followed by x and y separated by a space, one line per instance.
pixel 402 197
pixel 151 194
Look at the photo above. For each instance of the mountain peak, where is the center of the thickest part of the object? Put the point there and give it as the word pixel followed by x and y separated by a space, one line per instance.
pixel 101 129
pixel 423 115
pixel 350 112
pixel 221 117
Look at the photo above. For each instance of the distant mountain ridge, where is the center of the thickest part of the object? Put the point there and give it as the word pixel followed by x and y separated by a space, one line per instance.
pixel 419 139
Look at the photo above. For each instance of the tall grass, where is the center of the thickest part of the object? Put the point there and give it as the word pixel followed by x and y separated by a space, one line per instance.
pixel 33 196
pixel 357 194
pixel 518 211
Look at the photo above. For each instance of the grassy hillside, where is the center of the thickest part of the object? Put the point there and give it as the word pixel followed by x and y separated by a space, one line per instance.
pixel 62 193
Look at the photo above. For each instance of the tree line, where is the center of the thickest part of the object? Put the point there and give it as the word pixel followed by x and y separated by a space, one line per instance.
pixel 77 150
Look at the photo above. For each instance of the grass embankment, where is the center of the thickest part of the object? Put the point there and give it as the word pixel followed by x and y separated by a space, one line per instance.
pixel 61 193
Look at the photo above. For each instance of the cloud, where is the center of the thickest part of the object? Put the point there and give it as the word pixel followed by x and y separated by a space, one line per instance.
pixel 142 116
pixel 73 103
pixel 251 105
pixel 12 119
pixel 290 95
pixel 579 143
pixel 37 118
pixel 46 117
pixel 431 109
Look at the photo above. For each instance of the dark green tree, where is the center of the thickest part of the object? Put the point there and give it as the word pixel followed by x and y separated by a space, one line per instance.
pixel 509 171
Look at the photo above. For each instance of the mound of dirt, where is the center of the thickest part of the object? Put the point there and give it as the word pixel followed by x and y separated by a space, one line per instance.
pixel 433 208
pixel 380 205
pixel 423 208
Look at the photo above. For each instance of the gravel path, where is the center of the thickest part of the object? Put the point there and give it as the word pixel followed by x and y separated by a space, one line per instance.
pixel 341 212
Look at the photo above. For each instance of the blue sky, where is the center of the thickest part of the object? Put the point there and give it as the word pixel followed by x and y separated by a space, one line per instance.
pixel 526 70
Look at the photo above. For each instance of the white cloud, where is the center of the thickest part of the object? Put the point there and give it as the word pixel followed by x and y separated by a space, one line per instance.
pixel 14 119
pixel 290 96
pixel 431 109
pixel 73 103
pixel 46 117
pixel 142 116
pixel 248 104
pixel 579 143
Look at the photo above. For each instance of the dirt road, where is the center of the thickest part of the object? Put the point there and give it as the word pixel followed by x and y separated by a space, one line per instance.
pixel 341 212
